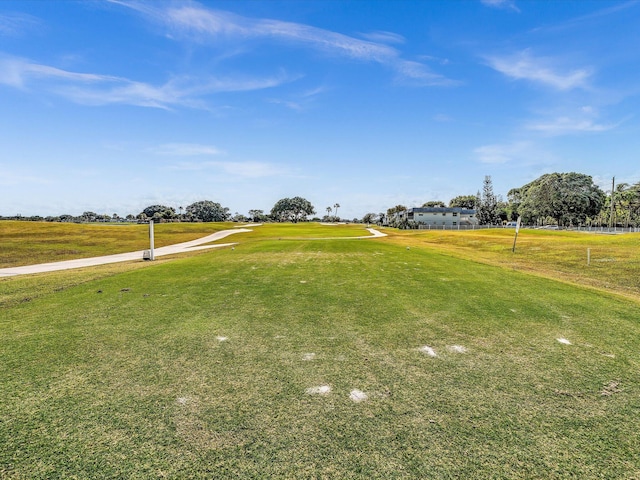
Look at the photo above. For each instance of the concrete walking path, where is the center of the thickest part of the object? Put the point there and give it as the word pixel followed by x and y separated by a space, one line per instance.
pixel 190 246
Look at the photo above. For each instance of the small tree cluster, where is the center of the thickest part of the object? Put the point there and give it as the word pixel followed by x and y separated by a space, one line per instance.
pixel 565 198
pixel 207 211
pixel 294 210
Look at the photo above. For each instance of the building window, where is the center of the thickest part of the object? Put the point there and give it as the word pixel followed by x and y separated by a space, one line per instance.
pixel 444 214
pixel 455 223
pixel 455 214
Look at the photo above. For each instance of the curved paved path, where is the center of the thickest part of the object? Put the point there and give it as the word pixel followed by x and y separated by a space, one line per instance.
pixel 190 246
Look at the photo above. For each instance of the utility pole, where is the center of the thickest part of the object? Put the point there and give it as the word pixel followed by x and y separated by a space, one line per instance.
pixel 613 186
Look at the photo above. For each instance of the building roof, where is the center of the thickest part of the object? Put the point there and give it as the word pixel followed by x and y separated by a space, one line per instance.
pixel 460 210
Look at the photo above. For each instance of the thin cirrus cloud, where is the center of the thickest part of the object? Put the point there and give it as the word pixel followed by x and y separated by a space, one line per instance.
pixel 17 24
pixel 567 125
pixel 503 4
pixel 380 36
pixel 524 66
pixel 97 89
pixel 502 153
pixel 10 177
pixel 237 169
pixel 204 25
pixel 186 149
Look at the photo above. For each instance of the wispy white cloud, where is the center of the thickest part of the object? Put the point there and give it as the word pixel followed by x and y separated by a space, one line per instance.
pixel 96 89
pixel 442 117
pixel 300 101
pixel 384 37
pixel 502 153
pixel 17 72
pixel 524 66
pixel 204 25
pixel 567 125
pixel 11 177
pixel 186 149
pixel 237 169
pixel 251 169
pixel 583 120
pixel 16 24
pixel 503 4
pixel 287 103
pixel 415 73
pixel 608 10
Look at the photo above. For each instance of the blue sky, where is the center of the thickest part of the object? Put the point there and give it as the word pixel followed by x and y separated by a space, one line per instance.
pixel 111 106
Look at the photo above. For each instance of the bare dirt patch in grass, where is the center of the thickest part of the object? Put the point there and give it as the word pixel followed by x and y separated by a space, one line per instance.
pixel 319 390
pixel 358 396
pixel 457 349
pixel 611 388
pixel 429 351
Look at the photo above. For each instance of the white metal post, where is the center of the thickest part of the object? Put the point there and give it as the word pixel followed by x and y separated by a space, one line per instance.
pixel 151 240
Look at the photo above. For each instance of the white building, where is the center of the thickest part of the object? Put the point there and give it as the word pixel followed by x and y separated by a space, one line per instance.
pixel 440 216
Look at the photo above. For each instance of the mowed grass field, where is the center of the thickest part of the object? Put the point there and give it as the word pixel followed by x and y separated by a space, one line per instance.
pixel 296 357
pixel 29 243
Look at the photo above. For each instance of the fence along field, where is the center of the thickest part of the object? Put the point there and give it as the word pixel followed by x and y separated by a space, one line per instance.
pixel 288 357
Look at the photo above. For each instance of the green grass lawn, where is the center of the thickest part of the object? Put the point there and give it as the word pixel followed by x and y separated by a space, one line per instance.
pixel 28 243
pixel 200 367
pixel 614 259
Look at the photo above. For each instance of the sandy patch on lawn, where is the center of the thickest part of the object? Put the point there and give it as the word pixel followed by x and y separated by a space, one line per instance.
pixel 611 388
pixel 358 395
pixel 428 350
pixel 319 390
pixel 458 348
pixel 222 339
pixel 309 356
pixel 563 341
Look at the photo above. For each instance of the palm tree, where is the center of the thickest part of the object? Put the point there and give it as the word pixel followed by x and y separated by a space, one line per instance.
pixel 328 211
pixel 336 206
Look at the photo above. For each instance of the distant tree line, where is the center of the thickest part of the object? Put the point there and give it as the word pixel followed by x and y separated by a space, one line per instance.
pixel 296 209
pixel 563 199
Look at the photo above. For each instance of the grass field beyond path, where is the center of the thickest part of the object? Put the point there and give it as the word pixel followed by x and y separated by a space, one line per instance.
pixel 292 358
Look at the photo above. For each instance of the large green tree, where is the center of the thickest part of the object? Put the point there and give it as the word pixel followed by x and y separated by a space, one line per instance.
pixel 294 210
pixel 568 198
pixel 369 218
pixel 159 212
pixel 208 211
pixel 463 201
pixel 488 213
pixel 433 203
